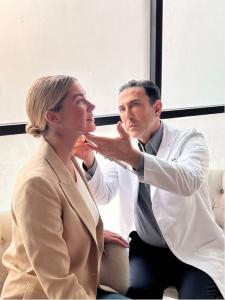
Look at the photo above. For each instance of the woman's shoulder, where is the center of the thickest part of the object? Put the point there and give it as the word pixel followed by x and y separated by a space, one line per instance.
pixel 33 184
pixel 36 175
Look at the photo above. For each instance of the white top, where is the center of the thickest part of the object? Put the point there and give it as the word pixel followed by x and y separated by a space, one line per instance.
pixel 87 197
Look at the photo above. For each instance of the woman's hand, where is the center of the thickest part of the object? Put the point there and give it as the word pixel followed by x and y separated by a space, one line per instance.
pixel 112 237
pixel 82 150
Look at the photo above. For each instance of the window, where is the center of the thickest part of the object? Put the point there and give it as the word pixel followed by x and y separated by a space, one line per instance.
pixel 193 53
pixel 103 43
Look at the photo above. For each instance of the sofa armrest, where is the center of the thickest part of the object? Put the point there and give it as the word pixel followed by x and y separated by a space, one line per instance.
pixel 114 270
pixel 5 239
pixel 216 181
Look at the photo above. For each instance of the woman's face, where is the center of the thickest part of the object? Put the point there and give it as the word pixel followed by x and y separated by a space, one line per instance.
pixel 76 115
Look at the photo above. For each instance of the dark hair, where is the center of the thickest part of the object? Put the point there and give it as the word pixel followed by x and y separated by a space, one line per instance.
pixel 150 88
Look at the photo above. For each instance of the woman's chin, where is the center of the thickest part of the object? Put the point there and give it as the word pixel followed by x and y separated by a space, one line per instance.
pixel 91 127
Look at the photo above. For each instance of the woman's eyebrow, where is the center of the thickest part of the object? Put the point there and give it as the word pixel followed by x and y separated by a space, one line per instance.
pixel 78 95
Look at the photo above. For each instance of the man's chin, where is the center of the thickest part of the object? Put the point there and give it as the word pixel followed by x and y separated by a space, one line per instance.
pixel 133 134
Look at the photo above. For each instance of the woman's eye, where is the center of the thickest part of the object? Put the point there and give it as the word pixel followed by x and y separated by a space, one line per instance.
pixel 79 101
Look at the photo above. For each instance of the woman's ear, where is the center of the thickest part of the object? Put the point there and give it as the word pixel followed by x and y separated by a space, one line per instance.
pixel 52 117
pixel 158 107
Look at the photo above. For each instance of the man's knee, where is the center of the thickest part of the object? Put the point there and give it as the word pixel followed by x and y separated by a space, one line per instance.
pixel 196 284
pixel 198 293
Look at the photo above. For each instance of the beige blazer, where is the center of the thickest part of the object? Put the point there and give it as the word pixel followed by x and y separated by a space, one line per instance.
pixel 56 246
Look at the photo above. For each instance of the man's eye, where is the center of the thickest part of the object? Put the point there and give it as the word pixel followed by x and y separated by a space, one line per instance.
pixel 135 104
pixel 121 109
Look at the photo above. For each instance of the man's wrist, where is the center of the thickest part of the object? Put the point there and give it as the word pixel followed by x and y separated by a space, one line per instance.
pixel 140 170
pixel 135 159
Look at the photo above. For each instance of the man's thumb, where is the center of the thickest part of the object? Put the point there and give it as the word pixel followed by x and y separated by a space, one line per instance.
pixel 121 130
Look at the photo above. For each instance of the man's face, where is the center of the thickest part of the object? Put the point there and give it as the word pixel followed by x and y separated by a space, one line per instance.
pixel 140 118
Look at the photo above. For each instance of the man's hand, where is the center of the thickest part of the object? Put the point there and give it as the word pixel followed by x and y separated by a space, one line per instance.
pixel 83 151
pixel 111 237
pixel 119 148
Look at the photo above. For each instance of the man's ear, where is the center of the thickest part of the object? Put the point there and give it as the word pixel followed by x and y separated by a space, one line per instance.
pixel 158 107
pixel 52 117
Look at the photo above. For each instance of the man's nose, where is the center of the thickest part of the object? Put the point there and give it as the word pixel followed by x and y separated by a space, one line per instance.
pixel 128 114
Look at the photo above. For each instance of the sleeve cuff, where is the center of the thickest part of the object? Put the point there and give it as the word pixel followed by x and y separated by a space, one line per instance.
pixel 90 172
pixel 140 170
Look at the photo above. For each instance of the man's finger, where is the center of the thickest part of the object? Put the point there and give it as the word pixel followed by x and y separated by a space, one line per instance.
pixel 120 242
pixel 122 132
pixel 95 140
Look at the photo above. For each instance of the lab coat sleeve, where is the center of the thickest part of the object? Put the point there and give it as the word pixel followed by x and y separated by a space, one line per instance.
pixel 183 172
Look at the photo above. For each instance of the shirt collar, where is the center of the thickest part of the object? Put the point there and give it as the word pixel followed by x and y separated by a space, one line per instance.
pixel 153 144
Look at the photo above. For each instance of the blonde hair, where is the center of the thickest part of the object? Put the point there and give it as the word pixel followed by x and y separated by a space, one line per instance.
pixel 46 93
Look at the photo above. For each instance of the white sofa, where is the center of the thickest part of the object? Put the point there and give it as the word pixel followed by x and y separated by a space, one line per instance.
pixel 115 266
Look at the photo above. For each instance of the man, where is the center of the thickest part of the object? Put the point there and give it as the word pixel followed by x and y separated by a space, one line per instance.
pixel 164 199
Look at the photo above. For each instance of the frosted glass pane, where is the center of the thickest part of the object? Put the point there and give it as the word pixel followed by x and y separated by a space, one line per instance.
pixel 102 43
pixel 193 68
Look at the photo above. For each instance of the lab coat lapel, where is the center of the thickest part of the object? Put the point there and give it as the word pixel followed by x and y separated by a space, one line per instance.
pixel 164 150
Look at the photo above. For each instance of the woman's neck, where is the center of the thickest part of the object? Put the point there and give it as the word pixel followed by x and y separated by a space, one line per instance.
pixel 63 147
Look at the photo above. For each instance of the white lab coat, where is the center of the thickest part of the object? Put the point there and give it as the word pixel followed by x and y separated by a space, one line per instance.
pixel 180 199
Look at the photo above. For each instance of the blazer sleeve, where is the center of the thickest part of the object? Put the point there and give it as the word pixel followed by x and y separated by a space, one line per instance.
pixel 182 173
pixel 38 210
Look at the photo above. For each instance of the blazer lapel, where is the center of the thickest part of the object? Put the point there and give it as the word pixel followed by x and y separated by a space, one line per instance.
pixel 76 201
pixel 68 187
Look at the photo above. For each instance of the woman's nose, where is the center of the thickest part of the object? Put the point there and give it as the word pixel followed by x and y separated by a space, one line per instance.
pixel 91 106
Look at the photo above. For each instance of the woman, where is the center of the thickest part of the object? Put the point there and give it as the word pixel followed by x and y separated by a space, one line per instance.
pixel 57 234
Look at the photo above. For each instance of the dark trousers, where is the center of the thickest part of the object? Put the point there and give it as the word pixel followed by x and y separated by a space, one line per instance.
pixel 153 269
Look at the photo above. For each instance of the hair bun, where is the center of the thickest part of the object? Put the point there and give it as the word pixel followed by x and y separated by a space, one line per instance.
pixel 31 129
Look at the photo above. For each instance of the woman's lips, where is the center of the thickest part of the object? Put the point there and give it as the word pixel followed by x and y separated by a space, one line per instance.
pixel 91 119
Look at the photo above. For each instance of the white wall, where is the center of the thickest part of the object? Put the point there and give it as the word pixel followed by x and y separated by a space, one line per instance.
pixel 14 152
pixel 102 42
